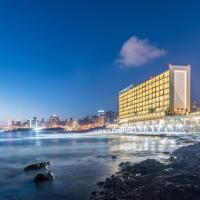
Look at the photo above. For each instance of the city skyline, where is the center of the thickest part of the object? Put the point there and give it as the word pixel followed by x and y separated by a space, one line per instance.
pixel 96 121
pixel 72 58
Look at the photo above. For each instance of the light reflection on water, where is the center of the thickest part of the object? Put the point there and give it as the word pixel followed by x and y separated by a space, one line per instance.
pixel 78 160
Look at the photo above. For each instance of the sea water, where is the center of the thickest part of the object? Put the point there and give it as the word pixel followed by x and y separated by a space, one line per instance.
pixel 79 161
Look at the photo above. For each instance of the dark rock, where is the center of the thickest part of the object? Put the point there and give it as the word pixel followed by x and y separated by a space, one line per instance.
pixel 169 170
pixel 165 152
pixel 94 193
pixel 36 166
pixel 101 183
pixel 114 183
pixel 102 193
pixel 145 167
pixel 125 166
pixel 45 176
pixel 114 157
pixel 152 180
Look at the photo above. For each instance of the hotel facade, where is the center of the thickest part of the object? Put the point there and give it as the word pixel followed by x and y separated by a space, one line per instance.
pixel 165 94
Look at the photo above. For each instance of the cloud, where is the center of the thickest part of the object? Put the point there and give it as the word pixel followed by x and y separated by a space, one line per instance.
pixel 136 52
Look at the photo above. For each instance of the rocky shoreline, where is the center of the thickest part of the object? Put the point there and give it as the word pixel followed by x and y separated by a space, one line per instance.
pixel 178 179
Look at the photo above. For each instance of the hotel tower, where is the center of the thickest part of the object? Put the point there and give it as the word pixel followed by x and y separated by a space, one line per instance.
pixel 165 94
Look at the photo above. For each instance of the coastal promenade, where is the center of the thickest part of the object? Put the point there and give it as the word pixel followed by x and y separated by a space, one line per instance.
pixel 188 124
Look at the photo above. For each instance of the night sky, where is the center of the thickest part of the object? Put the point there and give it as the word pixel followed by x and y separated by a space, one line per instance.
pixel 72 57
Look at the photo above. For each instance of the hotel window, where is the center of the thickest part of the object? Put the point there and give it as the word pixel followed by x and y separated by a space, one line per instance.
pixel 166 91
pixel 161 98
pixel 166 85
pixel 166 97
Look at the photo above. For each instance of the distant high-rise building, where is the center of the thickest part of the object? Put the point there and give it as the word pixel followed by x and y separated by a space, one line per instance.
pixel 111 117
pixel 42 122
pixel 100 112
pixel 54 121
pixel 75 124
pixel 94 120
pixel 102 117
pixel 18 123
pixel 29 122
pixel 165 94
pixel 12 123
pixel 34 122
pixel 195 106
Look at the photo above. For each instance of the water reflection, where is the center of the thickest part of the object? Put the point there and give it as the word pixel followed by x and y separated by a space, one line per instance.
pixel 142 143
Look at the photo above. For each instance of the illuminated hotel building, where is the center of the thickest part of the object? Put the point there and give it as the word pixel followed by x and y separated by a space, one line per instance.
pixel 165 94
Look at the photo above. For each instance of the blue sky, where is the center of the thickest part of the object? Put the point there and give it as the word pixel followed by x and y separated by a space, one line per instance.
pixel 72 57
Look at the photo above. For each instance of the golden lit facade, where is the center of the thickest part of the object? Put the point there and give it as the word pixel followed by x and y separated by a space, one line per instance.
pixel 156 97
